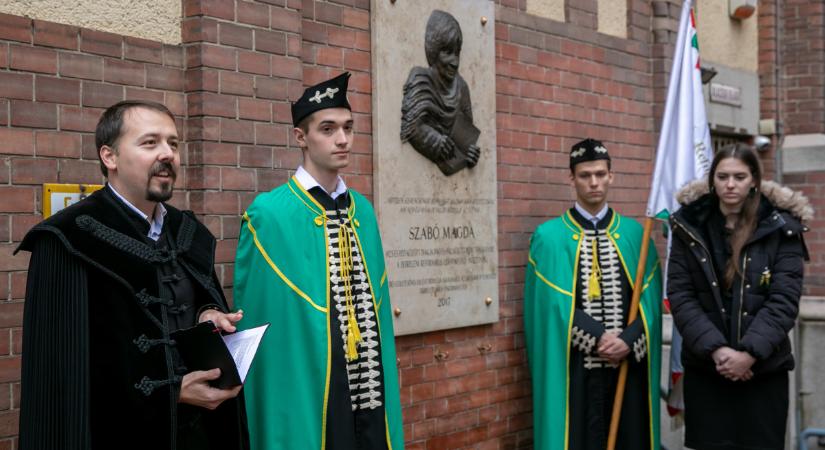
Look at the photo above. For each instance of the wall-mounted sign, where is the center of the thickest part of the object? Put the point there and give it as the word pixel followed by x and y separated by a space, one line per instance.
pixel 728 95
pixel 434 141
pixel 59 196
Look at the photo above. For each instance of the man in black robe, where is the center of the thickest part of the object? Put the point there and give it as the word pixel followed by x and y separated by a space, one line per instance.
pixel 110 279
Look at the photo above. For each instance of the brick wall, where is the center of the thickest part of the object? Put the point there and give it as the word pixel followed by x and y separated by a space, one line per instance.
pixel 793 92
pixel 812 184
pixel 769 27
pixel 243 63
pixel 802 59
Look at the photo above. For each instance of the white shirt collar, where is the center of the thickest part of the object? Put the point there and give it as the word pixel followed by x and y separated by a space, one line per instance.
pixel 595 219
pixel 155 225
pixel 308 182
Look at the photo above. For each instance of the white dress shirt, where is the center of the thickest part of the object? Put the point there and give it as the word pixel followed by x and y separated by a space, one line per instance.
pixel 155 225
pixel 595 219
pixel 308 182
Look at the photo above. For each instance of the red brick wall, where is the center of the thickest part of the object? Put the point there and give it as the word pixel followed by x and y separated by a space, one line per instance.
pixel 770 77
pixel 792 87
pixel 769 27
pixel 230 83
pixel 802 59
pixel 812 184
pixel 243 63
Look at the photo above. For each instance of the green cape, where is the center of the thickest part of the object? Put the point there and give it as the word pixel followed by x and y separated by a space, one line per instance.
pixel 549 288
pixel 282 277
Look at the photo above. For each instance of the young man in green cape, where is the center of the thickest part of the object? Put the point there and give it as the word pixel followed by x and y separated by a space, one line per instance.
pixel 577 295
pixel 310 263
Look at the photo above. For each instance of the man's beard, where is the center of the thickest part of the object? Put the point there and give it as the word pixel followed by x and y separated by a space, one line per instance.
pixel 164 192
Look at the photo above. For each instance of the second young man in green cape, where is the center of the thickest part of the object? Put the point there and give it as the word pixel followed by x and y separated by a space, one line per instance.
pixel 577 295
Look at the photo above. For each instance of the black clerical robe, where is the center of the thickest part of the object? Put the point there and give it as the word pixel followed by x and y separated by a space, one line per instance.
pixel 100 369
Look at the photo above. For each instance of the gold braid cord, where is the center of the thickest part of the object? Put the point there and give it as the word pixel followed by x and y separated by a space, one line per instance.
pixel 353 332
pixel 594 289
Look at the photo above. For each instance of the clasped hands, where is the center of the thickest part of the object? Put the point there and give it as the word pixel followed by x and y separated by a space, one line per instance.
pixel 612 348
pixel 733 364
pixel 195 388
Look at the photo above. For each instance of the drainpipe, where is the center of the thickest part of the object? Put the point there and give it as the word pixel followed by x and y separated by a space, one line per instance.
pixel 780 125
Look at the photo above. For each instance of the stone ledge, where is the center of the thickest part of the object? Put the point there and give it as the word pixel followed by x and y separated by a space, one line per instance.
pixel 812 309
pixel 803 153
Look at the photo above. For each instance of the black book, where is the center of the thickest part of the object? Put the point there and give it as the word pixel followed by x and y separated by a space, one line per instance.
pixel 202 348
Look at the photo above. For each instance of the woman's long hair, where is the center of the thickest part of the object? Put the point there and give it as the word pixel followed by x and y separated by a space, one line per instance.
pixel 746 222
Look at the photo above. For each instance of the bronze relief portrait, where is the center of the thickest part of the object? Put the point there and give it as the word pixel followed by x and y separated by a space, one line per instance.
pixel 436 111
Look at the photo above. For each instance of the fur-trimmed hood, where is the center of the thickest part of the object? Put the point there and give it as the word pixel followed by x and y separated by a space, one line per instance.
pixel 782 197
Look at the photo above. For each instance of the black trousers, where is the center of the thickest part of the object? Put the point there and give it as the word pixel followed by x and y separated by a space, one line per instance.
pixel 735 415
pixel 591 407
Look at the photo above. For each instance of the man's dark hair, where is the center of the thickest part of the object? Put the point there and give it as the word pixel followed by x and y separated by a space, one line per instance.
pixel 304 124
pixel 110 126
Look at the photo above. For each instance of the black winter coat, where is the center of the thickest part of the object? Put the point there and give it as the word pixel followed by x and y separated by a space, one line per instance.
pixel 764 302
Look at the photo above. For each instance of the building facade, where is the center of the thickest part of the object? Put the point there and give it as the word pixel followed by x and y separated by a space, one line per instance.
pixel 565 70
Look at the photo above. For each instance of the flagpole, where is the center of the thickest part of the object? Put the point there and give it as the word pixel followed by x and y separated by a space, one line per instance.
pixel 682 155
pixel 634 310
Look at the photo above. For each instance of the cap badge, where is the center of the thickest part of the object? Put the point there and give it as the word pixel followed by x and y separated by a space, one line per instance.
pixel 330 92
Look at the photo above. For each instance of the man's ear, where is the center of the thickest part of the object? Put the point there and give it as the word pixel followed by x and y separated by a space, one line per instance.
pixel 300 137
pixel 109 157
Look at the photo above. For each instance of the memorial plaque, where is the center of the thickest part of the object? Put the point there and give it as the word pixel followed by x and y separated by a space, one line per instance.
pixel 435 160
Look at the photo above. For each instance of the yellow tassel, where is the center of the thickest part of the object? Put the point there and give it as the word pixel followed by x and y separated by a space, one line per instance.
pixel 352 323
pixel 594 288
pixel 352 352
pixel 353 331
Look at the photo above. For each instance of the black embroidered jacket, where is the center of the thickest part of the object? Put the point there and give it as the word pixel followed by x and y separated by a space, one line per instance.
pixel 100 369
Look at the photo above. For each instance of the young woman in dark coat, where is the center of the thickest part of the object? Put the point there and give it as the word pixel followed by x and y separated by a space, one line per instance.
pixel 734 282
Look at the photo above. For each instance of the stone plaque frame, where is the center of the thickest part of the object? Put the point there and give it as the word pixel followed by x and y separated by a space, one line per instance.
pixel 439 231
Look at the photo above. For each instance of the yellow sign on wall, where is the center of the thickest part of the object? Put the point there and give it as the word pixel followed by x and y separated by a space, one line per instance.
pixel 58 196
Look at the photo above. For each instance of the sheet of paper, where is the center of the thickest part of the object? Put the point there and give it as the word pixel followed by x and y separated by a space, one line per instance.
pixel 243 345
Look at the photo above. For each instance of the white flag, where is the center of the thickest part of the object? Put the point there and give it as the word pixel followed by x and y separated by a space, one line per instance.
pixel 685 151
pixel 684 154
